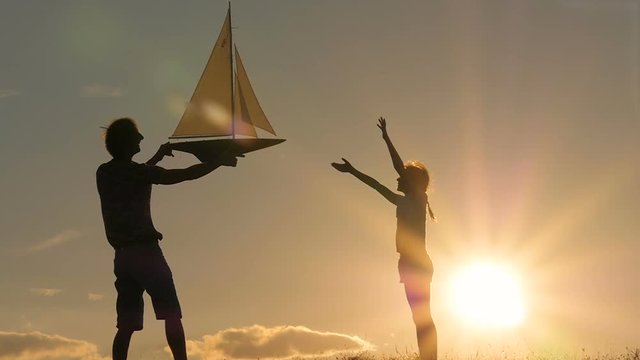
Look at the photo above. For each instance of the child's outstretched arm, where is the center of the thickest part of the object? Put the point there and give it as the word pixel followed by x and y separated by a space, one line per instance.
pixel 398 164
pixel 346 167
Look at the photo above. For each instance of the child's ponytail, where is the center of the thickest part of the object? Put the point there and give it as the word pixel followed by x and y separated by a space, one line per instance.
pixel 431 215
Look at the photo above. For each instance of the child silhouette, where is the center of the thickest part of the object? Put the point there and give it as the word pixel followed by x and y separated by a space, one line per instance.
pixel 414 265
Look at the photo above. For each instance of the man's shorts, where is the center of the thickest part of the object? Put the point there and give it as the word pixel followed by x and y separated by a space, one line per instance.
pixel 140 268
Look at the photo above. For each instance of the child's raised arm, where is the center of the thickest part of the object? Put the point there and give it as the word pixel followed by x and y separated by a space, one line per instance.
pixel 346 167
pixel 398 164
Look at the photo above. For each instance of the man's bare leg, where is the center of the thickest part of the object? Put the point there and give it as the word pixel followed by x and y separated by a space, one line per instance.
pixel 121 344
pixel 175 338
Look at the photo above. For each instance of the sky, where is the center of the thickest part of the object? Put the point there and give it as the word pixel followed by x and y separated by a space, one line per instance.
pixel 527 114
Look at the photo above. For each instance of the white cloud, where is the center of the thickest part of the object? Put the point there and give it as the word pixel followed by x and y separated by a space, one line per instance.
pixel 36 346
pixel 101 91
pixel 57 239
pixel 95 297
pixel 45 292
pixel 8 92
pixel 278 342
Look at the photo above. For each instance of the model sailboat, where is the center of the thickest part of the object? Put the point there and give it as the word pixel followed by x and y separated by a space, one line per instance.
pixel 223 105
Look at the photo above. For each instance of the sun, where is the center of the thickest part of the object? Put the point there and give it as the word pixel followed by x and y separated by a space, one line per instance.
pixel 488 295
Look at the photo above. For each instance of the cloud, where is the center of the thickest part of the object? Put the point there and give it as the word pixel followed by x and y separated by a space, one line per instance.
pixel 95 297
pixel 101 91
pixel 8 92
pixel 45 292
pixel 36 346
pixel 278 342
pixel 58 239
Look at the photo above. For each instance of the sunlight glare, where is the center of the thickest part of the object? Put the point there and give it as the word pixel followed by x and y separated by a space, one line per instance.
pixel 487 295
pixel 216 113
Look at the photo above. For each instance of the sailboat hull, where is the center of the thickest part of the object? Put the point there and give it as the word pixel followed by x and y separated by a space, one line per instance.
pixel 210 150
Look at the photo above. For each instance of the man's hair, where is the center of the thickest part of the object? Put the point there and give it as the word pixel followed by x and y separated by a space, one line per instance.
pixel 119 135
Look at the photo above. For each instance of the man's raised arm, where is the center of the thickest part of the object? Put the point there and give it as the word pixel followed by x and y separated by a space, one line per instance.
pixel 164 150
pixel 174 176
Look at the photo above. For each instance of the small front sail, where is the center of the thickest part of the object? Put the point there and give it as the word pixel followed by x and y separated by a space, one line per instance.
pixel 209 111
pixel 253 108
pixel 241 119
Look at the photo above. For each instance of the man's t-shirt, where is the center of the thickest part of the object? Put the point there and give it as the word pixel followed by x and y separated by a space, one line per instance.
pixel 125 197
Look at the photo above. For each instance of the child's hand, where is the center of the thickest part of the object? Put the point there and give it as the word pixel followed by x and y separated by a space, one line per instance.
pixel 345 167
pixel 382 125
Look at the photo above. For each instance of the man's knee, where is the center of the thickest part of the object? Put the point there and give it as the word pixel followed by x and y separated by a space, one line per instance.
pixel 173 318
pixel 173 321
pixel 125 332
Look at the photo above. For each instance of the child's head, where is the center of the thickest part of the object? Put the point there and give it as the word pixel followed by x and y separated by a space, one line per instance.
pixel 122 138
pixel 415 178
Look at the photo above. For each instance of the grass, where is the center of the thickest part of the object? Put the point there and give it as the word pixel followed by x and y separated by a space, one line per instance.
pixel 629 354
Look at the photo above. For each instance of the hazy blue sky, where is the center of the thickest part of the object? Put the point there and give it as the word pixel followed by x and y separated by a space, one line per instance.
pixel 527 113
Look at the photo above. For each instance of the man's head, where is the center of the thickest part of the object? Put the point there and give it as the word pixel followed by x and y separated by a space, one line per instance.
pixel 122 138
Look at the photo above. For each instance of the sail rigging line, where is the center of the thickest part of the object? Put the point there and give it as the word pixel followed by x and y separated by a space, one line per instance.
pixel 233 112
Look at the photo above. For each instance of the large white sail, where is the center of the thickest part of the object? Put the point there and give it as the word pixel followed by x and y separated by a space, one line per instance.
pixel 209 112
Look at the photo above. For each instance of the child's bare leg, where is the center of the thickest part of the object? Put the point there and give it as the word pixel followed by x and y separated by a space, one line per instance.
pixel 419 300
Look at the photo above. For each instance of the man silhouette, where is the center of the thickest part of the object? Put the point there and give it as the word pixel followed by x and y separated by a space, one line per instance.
pixel 139 265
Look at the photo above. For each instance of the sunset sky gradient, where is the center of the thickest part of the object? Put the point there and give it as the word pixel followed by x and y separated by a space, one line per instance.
pixel 527 114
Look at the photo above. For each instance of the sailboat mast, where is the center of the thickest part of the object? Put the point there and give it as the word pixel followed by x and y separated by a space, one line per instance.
pixel 233 110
